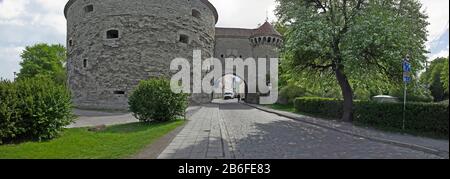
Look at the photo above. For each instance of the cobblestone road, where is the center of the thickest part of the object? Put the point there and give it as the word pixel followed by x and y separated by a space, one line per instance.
pixel 230 130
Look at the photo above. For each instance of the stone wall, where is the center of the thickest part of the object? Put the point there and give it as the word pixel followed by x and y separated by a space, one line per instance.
pixel 102 72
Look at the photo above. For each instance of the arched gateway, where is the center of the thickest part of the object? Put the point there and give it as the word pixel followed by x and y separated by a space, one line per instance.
pixel 114 44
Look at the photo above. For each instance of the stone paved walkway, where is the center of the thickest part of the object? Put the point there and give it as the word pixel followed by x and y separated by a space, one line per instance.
pixel 229 130
pixel 203 137
pixel 90 118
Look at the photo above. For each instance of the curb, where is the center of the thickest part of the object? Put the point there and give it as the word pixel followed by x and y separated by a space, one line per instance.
pixel 428 150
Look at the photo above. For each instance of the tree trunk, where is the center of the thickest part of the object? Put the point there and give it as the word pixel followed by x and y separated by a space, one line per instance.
pixel 347 93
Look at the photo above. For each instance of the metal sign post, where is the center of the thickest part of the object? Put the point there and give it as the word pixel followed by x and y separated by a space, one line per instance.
pixel 404 109
pixel 406 79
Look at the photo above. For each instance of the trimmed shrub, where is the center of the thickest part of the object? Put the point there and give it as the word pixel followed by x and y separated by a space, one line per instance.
pixel 324 107
pixel 290 92
pixel 424 118
pixel 154 100
pixel 420 117
pixel 33 108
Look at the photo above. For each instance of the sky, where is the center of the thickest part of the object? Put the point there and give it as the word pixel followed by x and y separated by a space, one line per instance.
pixel 26 22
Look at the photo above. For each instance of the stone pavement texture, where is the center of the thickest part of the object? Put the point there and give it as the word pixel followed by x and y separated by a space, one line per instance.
pixel 88 118
pixel 91 118
pixel 435 146
pixel 228 130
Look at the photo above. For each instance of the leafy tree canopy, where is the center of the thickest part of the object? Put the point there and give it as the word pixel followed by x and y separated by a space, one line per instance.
pixel 352 44
pixel 445 75
pixel 436 78
pixel 44 60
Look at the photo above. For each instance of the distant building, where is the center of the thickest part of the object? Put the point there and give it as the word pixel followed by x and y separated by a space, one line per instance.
pixel 114 44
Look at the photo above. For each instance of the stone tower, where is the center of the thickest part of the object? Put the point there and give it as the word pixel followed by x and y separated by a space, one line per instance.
pixel 114 44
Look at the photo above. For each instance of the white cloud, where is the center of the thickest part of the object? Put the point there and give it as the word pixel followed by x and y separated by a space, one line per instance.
pixel 10 9
pixel 443 53
pixel 9 61
pixel 56 22
pixel 53 6
pixel 244 13
pixel 26 22
pixel 438 12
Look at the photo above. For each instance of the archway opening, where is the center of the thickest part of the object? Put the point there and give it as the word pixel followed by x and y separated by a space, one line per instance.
pixel 233 88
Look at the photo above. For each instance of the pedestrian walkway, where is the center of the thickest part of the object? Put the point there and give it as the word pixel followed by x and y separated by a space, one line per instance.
pixel 201 138
pixel 91 118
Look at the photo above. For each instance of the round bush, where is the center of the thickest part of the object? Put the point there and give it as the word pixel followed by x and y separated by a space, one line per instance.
pixel 33 108
pixel 153 100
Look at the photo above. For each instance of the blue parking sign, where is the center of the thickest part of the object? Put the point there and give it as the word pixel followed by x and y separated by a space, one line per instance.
pixel 406 66
pixel 406 79
pixel 406 70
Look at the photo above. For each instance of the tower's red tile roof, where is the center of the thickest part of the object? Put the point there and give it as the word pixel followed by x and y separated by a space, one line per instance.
pixel 266 30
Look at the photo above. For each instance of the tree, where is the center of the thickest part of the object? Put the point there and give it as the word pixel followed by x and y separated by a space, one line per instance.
pixel 355 42
pixel 436 78
pixel 43 60
pixel 444 76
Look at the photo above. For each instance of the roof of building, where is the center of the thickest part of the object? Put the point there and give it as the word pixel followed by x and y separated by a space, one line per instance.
pixel 264 30
pixel 206 2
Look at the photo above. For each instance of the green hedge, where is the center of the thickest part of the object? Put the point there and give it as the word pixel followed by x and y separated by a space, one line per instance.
pixel 324 107
pixel 290 92
pixel 153 100
pixel 33 108
pixel 421 118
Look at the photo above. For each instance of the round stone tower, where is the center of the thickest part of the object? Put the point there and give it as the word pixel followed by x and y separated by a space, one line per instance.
pixel 114 44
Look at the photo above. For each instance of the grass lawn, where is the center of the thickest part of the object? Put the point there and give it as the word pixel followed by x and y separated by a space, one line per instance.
pixel 115 142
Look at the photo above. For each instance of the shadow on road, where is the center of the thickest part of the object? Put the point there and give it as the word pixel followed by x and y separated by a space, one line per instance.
pixel 231 104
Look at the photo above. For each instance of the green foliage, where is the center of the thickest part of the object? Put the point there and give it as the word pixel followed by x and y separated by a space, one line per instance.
pixel 43 60
pixel 280 27
pixel 11 123
pixel 153 100
pixel 416 92
pixel 33 108
pixel 325 107
pixel 421 118
pixel 290 92
pixel 364 40
pixel 436 77
pixel 445 75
